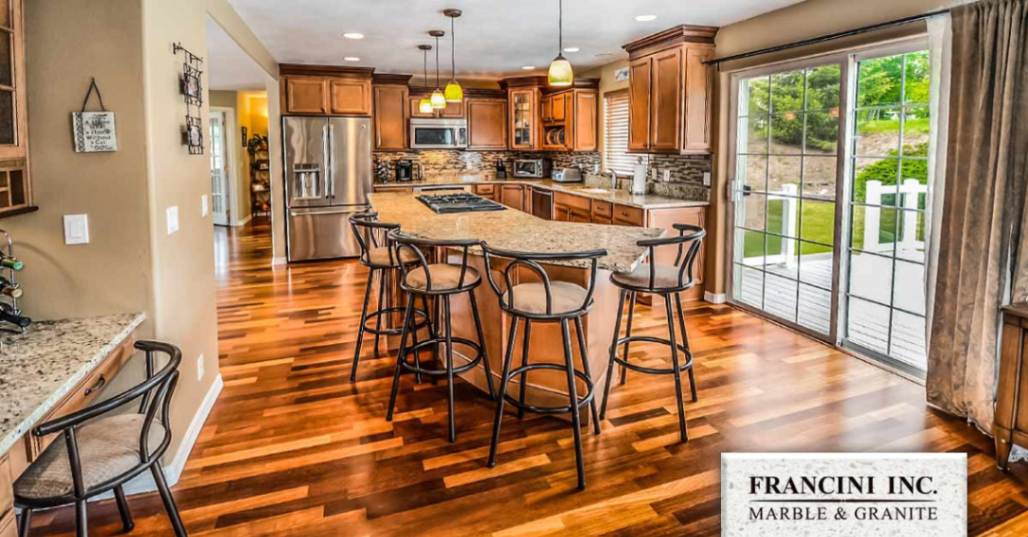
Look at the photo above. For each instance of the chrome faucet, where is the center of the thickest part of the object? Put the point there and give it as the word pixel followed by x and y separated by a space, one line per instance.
pixel 613 178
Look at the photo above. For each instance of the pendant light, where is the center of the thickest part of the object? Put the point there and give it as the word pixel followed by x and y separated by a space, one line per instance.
pixel 425 104
pixel 454 93
pixel 438 99
pixel 560 74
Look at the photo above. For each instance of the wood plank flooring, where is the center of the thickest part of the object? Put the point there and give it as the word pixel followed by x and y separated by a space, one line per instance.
pixel 293 448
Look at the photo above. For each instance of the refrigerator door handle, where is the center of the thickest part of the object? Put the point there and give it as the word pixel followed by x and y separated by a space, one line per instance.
pixel 329 156
pixel 326 134
pixel 328 210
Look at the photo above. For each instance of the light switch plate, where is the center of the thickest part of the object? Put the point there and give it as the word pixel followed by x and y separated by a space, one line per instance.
pixel 171 217
pixel 706 178
pixel 76 229
pixel 667 175
pixel 199 367
pixel 203 205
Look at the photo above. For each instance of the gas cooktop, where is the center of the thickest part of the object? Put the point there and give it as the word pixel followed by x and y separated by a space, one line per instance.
pixel 460 202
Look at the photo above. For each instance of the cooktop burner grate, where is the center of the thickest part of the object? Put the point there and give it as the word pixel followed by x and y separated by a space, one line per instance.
pixel 461 202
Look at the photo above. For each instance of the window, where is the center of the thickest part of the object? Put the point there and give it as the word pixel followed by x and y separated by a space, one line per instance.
pixel 615 133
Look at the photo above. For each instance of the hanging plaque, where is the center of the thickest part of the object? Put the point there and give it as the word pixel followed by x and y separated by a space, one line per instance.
pixel 94 132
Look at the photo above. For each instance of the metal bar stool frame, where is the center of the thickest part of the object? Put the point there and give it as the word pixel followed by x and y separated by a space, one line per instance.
pixel 468 280
pixel 531 261
pixel 372 234
pixel 688 235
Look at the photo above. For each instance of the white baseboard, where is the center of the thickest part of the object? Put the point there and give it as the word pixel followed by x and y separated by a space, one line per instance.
pixel 277 261
pixel 173 470
pixel 243 222
pixel 714 298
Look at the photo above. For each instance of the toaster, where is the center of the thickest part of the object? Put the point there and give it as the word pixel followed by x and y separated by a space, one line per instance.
pixel 568 175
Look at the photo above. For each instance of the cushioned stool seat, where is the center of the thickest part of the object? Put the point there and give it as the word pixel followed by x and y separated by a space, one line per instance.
pixel 663 277
pixel 531 297
pixel 108 447
pixel 444 276
pixel 379 256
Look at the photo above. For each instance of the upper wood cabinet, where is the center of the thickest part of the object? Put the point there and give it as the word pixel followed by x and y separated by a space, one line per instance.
pixel 391 102
pixel 15 186
pixel 575 130
pixel 326 90
pixel 487 123
pixel 586 109
pixel 670 91
pixel 452 110
pixel 523 113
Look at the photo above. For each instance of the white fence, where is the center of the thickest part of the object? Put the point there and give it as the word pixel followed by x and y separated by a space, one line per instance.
pixel 908 197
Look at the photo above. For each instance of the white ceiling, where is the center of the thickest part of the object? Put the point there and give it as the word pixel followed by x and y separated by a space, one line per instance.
pixel 228 66
pixel 494 37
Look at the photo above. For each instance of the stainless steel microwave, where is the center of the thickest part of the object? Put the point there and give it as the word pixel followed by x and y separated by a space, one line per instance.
pixel 428 133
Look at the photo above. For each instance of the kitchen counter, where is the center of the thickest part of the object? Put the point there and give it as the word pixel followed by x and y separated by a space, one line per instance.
pixel 515 230
pixel 41 366
pixel 643 201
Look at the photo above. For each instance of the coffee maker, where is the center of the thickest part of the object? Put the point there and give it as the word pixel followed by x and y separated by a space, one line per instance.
pixel 404 170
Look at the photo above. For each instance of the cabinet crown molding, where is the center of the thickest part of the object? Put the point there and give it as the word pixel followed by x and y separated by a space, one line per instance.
pixel 285 69
pixel 683 33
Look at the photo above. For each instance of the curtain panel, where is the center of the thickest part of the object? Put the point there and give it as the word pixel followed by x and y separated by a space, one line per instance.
pixel 983 205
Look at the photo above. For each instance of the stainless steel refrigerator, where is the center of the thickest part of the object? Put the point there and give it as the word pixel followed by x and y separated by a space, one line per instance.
pixel 328 178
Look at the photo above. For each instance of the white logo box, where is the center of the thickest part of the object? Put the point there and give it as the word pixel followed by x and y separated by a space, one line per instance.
pixel 843 494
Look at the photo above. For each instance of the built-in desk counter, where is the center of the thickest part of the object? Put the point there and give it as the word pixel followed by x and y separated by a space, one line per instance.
pixel 54 368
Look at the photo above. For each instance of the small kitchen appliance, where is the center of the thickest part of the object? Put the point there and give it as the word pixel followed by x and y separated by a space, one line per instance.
pixel 531 168
pixel 404 170
pixel 568 175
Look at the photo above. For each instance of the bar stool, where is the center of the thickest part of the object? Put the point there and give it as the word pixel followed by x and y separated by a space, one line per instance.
pixel 545 301
pixel 440 281
pixel 378 255
pixel 668 282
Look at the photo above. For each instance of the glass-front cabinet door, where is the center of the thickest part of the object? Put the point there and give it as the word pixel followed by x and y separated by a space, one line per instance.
pixel 523 104
pixel 15 191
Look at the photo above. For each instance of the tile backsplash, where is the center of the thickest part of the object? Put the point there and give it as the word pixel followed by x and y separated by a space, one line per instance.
pixel 685 171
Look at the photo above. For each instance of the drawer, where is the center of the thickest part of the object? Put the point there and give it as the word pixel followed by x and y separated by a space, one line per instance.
pixel 572 201
pixel 602 209
pixel 6 487
pixel 629 216
pixel 84 393
pixel 484 190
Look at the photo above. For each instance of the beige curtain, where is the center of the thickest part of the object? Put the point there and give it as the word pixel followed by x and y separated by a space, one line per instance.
pixel 983 203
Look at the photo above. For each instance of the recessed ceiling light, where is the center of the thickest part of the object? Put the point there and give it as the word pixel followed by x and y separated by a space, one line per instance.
pixel 572 49
pixel 352 59
pixel 353 35
pixel 645 18
pixel 528 67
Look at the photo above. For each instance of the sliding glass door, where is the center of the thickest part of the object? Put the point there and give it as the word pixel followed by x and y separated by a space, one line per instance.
pixel 829 198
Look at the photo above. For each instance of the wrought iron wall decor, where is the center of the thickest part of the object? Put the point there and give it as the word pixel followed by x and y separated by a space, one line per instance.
pixel 192 90
pixel 11 319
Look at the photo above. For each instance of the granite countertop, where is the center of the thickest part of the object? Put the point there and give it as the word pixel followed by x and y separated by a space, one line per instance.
pixel 516 230
pixel 643 201
pixel 41 366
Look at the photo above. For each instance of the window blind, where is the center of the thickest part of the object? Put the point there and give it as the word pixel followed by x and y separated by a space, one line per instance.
pixel 615 133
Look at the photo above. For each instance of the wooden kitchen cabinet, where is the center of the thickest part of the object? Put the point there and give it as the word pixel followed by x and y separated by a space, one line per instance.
pixel 569 121
pixel 524 115
pixel 1010 425
pixel 487 123
pixel 671 90
pixel 486 191
pixel 326 90
pixel 452 110
pixel 512 196
pixel 15 184
pixel 390 105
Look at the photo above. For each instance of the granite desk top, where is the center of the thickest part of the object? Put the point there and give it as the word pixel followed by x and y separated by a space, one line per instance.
pixel 41 366
pixel 512 229
pixel 643 201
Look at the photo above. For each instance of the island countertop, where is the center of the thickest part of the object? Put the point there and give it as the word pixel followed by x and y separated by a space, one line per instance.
pixel 511 229
pixel 643 201
pixel 44 364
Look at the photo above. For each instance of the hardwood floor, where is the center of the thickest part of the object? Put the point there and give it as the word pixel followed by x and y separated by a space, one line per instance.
pixel 293 448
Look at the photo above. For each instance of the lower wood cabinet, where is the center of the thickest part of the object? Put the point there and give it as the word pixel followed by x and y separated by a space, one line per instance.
pixel 512 196
pixel 1011 420
pixel 487 123
pixel 486 191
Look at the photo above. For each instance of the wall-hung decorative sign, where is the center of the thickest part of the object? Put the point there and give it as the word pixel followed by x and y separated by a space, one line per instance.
pixel 192 90
pixel 94 132
pixel 621 74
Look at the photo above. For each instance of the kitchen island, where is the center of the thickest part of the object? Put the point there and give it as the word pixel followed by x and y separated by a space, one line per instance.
pixel 516 230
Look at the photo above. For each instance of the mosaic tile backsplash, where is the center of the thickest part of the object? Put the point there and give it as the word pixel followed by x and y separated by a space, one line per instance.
pixel 686 171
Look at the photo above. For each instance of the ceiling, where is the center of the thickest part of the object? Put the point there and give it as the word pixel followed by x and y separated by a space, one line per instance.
pixel 494 37
pixel 228 66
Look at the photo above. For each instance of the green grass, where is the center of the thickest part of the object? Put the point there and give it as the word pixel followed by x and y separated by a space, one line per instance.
pixel 912 125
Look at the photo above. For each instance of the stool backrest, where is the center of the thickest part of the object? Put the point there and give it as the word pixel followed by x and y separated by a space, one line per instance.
pixel 532 261
pixel 689 239
pixel 409 247
pixel 371 234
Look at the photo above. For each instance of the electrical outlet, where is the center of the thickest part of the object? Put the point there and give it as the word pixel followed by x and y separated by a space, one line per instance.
pixel 667 175
pixel 706 178
pixel 171 218
pixel 199 367
pixel 203 205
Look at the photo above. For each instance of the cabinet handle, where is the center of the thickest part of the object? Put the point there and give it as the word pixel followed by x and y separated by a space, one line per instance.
pixel 100 383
